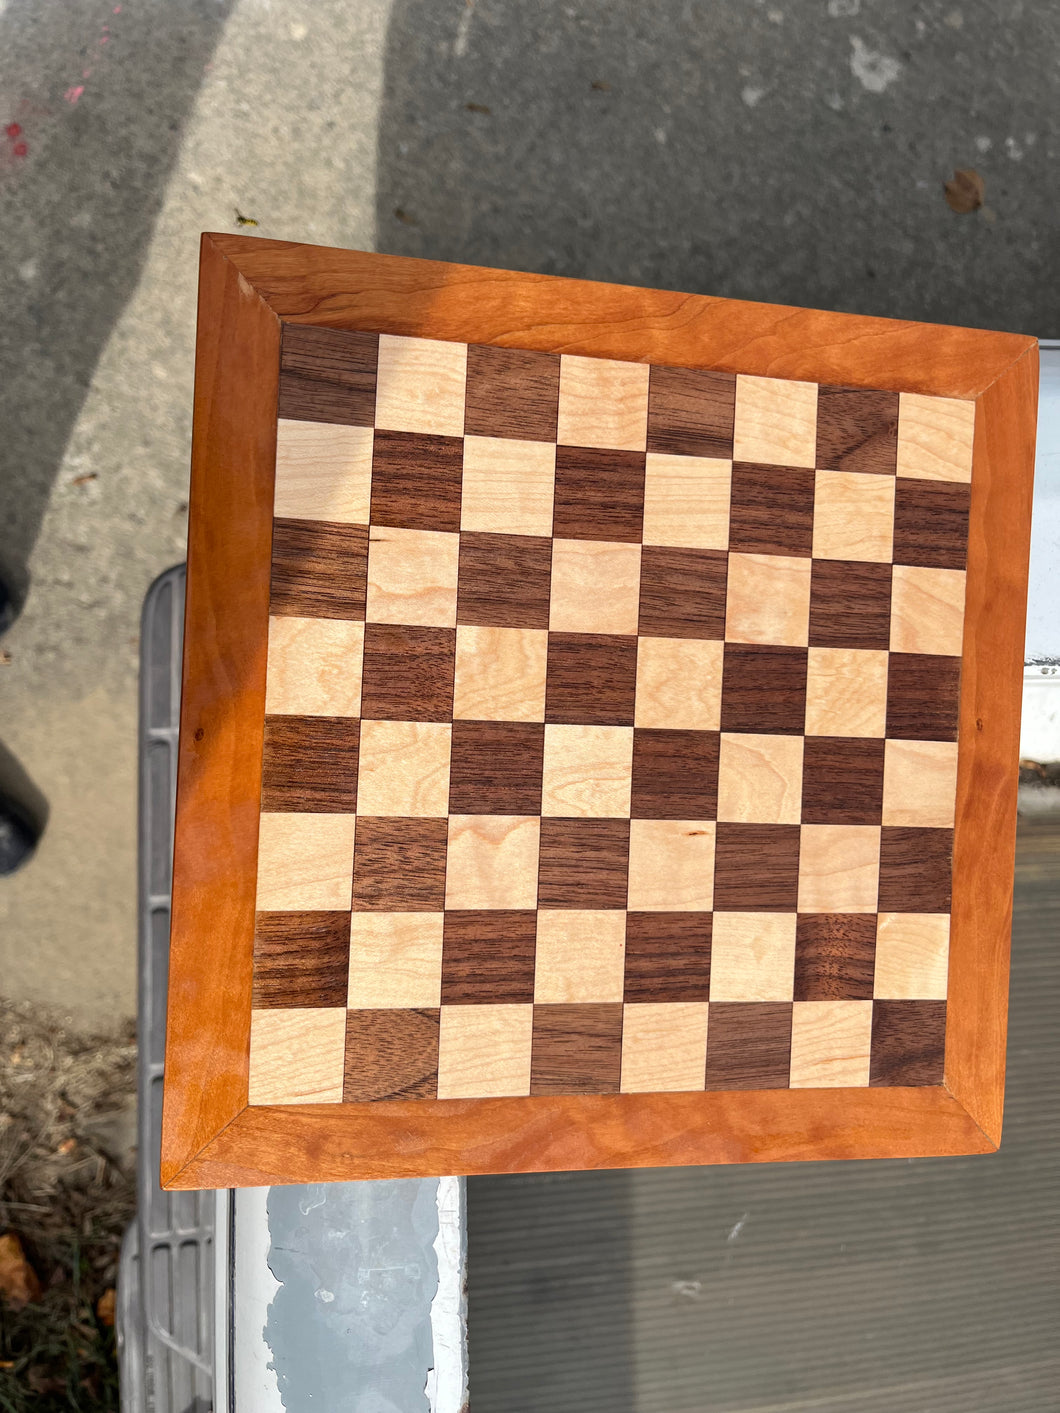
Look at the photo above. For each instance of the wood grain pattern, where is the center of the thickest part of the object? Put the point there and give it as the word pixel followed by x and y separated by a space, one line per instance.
pixel 492 861
pixel 496 767
pixel 391 1055
pixel 599 494
pixel 839 868
pixel 314 666
pixel 602 403
pixel 664 1047
pixel 319 570
pixel 305 862
pixel 752 957
pixel 577 1049
pixel 768 599
pixel 690 412
pixel 584 863
pixel 764 689
pixel 395 961
pixel 416 297
pixel 775 421
pixel 682 592
pixel 508 486
pixel 850 605
pixel 772 510
pixel 408 673
pixel 412 577
pixel 920 783
pixel 326 375
pixel 760 779
pixel 668 957
pixel 923 697
pixel 505 580
pixel 323 472
pixel 756 867
pixel 686 501
pixel 908 1042
pixel 842 781
pixel 671 865
pixel 853 516
pixel 485 1050
pixel 511 393
pixel 420 386
pixel 831 1043
pixel 679 683
pixel 592 679
pixel 404 768
pixel 931 523
pixel 912 956
pixel 846 692
pixel 416 481
pixel 399 865
pixel 588 771
pixel 915 870
pixel 927 610
pixel 309 763
pixel 580 956
pixel 595 587
pixel 748 1046
pixel 935 438
pixel 500 673
pixel 857 430
pixel 301 959
pixel 489 957
pixel 834 956
pixel 675 775
pixel 296 1056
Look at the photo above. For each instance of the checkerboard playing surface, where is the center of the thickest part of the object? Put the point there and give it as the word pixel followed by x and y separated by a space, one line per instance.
pixel 611 727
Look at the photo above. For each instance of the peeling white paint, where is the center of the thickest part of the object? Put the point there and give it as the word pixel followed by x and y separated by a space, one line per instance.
pixel 738 1228
pixel 446 1387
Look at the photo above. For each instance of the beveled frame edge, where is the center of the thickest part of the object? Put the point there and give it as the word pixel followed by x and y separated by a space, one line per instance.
pixel 248 287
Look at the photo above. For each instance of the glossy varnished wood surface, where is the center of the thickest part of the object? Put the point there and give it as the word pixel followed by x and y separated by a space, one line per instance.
pixel 210 1137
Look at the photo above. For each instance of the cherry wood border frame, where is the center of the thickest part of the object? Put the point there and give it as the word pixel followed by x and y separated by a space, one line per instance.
pixel 248 288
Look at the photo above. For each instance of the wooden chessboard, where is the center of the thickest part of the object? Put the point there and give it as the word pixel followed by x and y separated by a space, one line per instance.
pixel 610 728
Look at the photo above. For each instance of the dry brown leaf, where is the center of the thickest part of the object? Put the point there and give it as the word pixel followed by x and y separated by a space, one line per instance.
pixel 18 1280
pixel 965 191
pixel 106 1307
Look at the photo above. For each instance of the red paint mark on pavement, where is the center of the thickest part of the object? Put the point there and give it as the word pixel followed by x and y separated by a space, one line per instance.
pixel 13 130
pixel 20 149
pixel 73 94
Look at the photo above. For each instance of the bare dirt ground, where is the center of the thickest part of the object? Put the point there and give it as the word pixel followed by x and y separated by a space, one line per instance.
pixel 67 1156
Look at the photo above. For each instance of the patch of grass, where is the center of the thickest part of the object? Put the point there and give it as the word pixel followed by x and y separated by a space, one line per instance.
pixel 67 1109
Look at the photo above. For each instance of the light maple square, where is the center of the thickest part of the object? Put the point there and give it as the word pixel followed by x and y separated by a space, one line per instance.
pixel 920 783
pixel 588 771
pixel 775 421
pixel 912 956
pixel 839 868
pixel 412 576
pixel 508 486
pixel 671 865
pixel 484 1051
pixel 664 1046
pixel 760 779
pixel 602 403
pixel 420 386
pixel 323 472
pixel 314 667
pixel 831 1043
pixel 679 683
pixel 580 956
pixel 500 674
pixel 752 957
pixel 492 861
pixel 395 960
pixel 768 599
pixel 403 768
pixel 935 437
pixel 686 501
pixel 927 610
pixel 305 862
pixel 853 516
pixel 846 692
pixel 595 587
pixel 296 1056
